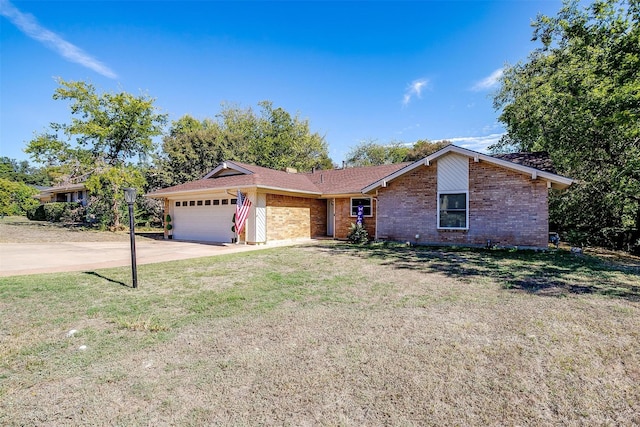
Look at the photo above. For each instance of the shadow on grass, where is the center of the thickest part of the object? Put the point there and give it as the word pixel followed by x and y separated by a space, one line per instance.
pixel 93 273
pixel 551 273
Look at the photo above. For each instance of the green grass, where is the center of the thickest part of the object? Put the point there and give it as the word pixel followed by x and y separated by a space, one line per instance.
pixel 329 333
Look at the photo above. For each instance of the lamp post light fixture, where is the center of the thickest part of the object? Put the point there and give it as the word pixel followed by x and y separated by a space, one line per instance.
pixel 130 198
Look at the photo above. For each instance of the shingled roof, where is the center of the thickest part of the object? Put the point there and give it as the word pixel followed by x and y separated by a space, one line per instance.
pixel 351 180
pixel 539 160
pixel 334 181
pixel 236 175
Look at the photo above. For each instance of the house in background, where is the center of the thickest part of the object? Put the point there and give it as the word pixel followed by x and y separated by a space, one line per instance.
pixel 64 193
pixel 454 196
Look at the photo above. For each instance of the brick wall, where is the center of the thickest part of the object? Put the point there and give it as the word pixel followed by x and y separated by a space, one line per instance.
pixel 344 219
pixel 291 217
pixel 505 207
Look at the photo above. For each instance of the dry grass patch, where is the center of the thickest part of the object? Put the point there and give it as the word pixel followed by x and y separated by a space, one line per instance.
pixel 327 334
pixel 21 230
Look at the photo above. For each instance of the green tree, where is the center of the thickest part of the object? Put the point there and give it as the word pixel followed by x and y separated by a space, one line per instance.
pixel 578 97
pixel 423 148
pixel 106 132
pixel 273 138
pixel 371 153
pixel 106 203
pixel 193 148
pixel 16 198
pixel 281 141
pixel 21 171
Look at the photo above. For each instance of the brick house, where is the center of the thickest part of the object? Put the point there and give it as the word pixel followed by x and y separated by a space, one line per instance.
pixel 454 196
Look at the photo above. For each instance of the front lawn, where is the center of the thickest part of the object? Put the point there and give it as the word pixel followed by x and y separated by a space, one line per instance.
pixel 327 333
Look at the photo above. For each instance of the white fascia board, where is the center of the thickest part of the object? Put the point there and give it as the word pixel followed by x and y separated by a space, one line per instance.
pixel 171 194
pixel 227 165
pixel 163 195
pixel 288 190
pixel 341 195
pixel 559 181
pixel 65 188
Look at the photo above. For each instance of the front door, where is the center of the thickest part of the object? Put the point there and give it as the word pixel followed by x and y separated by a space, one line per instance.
pixel 331 216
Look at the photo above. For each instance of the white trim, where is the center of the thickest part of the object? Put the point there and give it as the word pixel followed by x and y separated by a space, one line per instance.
pixel 161 194
pixel 331 217
pixel 466 193
pixel 351 215
pixel 375 200
pixel 228 165
pixel 559 181
pixel 289 190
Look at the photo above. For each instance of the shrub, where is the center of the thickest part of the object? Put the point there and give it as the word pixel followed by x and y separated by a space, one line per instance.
pixel 67 212
pixel 37 213
pixel 358 234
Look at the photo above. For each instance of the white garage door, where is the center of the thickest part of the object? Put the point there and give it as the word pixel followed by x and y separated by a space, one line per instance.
pixel 205 220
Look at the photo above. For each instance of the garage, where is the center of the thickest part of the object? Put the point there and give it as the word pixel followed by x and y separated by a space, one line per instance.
pixel 204 220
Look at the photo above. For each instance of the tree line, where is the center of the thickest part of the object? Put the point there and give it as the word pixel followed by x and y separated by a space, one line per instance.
pixel 109 144
pixel 577 97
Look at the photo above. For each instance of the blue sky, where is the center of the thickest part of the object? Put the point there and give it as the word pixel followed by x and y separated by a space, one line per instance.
pixel 358 70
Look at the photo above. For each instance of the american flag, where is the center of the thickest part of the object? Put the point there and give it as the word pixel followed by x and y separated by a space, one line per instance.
pixel 242 211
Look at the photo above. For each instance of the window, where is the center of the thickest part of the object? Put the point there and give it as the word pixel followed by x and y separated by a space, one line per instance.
pixel 452 210
pixel 177 203
pixel 184 203
pixel 199 202
pixel 192 202
pixel 225 201
pixel 234 201
pixel 366 206
pixel 207 202
pixel 216 202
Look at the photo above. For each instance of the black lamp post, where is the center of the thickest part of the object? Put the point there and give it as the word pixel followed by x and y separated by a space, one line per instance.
pixel 130 197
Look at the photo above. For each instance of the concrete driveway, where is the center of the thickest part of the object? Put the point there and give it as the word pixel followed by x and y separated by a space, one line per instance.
pixel 33 258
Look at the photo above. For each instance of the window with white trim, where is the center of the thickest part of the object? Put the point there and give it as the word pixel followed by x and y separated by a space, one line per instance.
pixel 365 202
pixel 453 210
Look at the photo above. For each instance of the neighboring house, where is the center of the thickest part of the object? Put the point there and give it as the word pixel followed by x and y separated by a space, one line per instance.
pixel 64 193
pixel 454 196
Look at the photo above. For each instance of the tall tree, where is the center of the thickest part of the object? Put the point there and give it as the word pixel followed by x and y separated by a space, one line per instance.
pixel 106 131
pixel 423 148
pixel 578 97
pixel 371 153
pixel 192 148
pixel 22 171
pixel 271 139
pixel 16 198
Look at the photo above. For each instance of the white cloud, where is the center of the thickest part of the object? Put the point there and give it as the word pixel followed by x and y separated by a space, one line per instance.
pixel 488 82
pixel 29 25
pixel 476 143
pixel 414 89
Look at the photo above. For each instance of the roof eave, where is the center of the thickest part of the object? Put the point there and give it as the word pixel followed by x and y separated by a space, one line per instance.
pixel 226 165
pixel 162 195
pixel 557 181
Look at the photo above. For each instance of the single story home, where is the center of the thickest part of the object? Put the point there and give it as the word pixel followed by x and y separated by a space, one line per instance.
pixel 454 196
pixel 64 193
